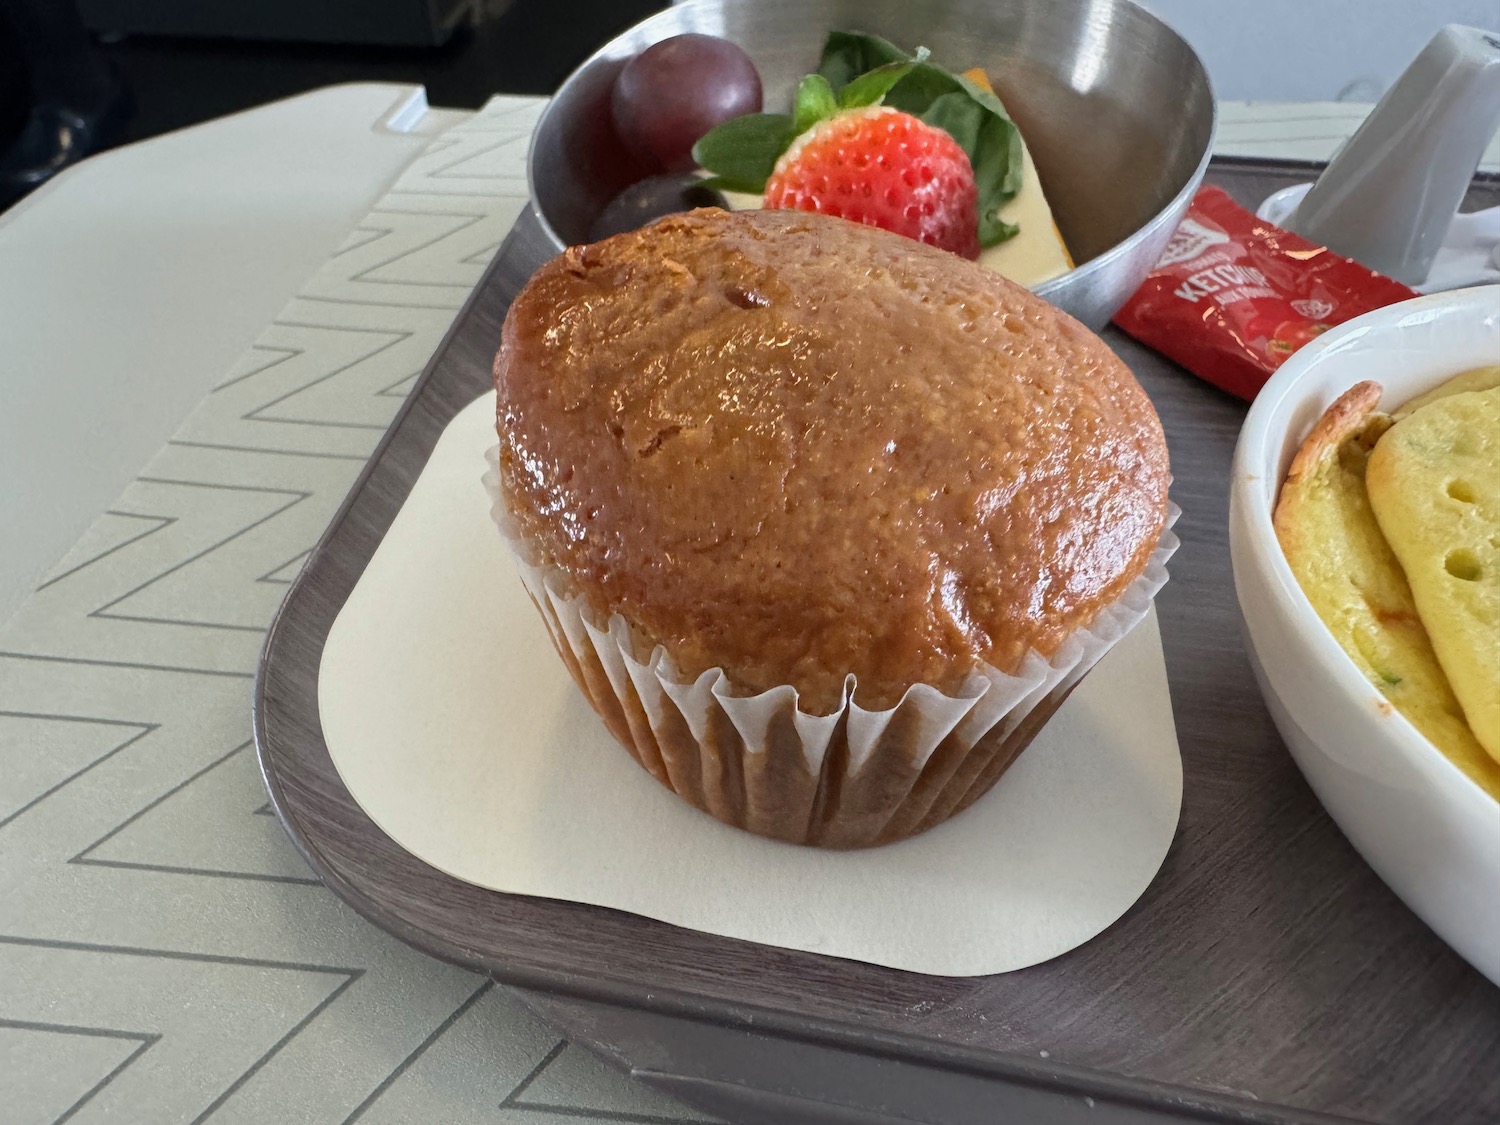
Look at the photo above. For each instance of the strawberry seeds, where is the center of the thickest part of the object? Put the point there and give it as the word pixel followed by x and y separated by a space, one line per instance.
pixel 883 168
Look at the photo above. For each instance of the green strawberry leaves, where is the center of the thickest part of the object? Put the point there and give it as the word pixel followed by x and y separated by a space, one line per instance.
pixel 871 87
pixel 815 102
pixel 858 70
pixel 742 152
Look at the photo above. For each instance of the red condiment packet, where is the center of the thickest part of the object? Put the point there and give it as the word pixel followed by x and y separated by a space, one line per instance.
pixel 1234 296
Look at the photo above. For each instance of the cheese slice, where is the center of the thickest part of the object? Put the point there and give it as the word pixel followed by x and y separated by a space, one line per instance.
pixel 1027 259
pixel 1036 254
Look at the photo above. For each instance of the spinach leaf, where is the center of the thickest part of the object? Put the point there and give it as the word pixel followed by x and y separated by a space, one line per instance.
pixel 993 144
pixel 848 54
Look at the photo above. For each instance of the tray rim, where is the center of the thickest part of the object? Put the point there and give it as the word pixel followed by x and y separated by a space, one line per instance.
pixel 608 988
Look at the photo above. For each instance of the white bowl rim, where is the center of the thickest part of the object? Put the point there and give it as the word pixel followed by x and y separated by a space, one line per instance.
pixel 1259 443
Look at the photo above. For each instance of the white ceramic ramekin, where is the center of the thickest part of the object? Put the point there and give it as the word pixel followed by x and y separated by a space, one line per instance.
pixel 1430 832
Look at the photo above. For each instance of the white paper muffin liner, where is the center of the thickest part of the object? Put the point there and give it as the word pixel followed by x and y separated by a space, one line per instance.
pixel 851 778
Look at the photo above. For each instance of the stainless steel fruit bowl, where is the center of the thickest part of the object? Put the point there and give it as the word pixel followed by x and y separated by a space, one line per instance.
pixel 1116 109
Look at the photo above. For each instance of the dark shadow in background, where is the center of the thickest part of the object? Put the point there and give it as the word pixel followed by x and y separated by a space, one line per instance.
pixel 15 84
pixel 65 94
pixel 60 99
pixel 527 48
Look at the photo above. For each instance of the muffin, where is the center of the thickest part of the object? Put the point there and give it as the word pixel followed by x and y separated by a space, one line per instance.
pixel 824 522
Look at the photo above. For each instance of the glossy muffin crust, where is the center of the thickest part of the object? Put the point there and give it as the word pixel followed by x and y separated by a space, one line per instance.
pixel 798 448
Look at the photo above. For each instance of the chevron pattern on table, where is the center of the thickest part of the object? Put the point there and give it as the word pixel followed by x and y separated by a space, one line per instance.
pixel 165 954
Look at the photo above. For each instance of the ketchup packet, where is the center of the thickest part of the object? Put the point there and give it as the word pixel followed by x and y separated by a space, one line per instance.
pixel 1233 296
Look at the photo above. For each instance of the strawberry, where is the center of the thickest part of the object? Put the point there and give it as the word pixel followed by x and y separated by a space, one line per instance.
pixel 939 169
pixel 883 168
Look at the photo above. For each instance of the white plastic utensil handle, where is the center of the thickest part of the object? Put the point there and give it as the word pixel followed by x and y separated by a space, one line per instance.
pixel 1389 196
pixel 1469 255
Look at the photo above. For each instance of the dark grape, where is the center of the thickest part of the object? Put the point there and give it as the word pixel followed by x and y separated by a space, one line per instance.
pixel 676 90
pixel 650 199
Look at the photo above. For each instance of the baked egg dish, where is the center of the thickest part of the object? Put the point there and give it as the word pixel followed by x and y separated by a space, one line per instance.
pixel 1391 525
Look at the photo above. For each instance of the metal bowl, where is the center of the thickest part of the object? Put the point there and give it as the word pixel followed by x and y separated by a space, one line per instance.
pixel 1115 107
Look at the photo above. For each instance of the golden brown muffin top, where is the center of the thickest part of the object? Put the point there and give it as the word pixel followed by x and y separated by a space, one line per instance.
pixel 794 448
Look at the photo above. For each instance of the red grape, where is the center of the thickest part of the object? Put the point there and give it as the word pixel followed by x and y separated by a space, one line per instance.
pixel 650 199
pixel 676 90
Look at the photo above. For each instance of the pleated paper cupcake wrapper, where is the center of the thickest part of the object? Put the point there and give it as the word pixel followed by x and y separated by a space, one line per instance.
pixel 852 778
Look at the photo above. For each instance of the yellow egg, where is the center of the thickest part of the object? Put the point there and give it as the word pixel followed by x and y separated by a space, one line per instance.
pixel 1479 379
pixel 1434 485
pixel 1354 581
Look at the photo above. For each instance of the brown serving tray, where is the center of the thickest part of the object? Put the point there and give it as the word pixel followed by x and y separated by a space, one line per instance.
pixel 1267 975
